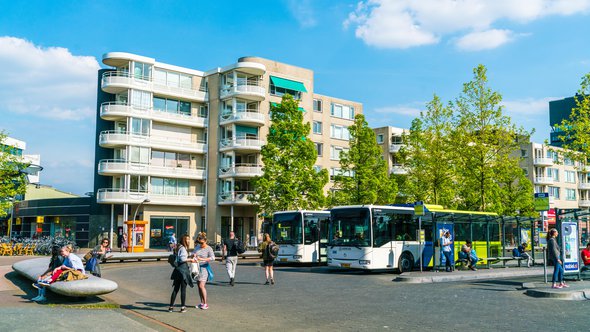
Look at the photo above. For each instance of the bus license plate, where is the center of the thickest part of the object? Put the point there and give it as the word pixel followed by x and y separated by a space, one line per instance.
pixel 283 259
pixel 345 264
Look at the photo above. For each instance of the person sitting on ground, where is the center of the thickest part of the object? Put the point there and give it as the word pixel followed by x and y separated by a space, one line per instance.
pixel 55 262
pixel 524 254
pixel 586 258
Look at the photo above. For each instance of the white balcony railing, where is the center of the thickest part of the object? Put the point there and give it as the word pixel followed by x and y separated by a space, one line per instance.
pixel 583 185
pixel 241 143
pixel 248 116
pixel 112 110
pixel 399 170
pixel 235 198
pixel 244 89
pixel 121 196
pixel 111 138
pixel 118 166
pixel 113 81
pixel 543 180
pixel 240 170
pixel 584 203
pixel 394 148
pixel 543 161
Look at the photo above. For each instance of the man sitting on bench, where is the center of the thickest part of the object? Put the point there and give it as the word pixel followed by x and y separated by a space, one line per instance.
pixel 521 252
pixel 468 255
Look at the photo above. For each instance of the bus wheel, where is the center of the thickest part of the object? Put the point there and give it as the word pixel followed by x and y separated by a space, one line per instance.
pixel 406 263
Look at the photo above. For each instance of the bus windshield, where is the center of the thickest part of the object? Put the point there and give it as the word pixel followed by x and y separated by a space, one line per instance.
pixel 287 228
pixel 350 227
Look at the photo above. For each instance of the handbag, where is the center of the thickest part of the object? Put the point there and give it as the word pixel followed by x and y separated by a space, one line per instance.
pixel 210 274
pixel 195 270
pixel 88 255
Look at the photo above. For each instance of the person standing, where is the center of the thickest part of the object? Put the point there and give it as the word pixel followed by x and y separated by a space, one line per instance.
pixel 181 275
pixel 586 258
pixel 554 254
pixel 229 250
pixel 268 259
pixel 123 242
pixel 446 248
pixel 204 255
pixel 172 242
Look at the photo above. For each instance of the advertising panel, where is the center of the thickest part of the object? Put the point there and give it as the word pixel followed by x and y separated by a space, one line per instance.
pixel 569 242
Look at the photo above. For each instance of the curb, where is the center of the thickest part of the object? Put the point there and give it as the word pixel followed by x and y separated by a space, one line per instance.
pixel 416 278
pixel 571 295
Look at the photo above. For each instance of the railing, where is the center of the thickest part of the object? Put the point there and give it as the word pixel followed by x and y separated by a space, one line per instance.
pixel 543 161
pixel 584 203
pixel 146 82
pixel 240 170
pixel 129 138
pixel 397 169
pixel 248 143
pixel 394 148
pixel 128 167
pixel 249 114
pixel 583 185
pixel 126 109
pixel 544 180
pixel 115 195
pixel 236 197
pixel 248 88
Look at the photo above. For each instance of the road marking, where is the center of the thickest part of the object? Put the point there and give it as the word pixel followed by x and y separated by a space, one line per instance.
pixel 155 321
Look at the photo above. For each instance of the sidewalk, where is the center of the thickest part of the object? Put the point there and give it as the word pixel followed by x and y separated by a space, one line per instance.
pixel 481 274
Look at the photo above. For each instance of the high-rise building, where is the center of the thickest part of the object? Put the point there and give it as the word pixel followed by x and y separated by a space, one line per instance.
pixel 178 147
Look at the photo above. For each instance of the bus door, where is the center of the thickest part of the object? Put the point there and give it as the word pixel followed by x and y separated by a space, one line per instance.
pixel 441 229
pixel 323 238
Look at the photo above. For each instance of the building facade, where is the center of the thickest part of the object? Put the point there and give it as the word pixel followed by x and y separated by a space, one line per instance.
pixel 390 140
pixel 178 147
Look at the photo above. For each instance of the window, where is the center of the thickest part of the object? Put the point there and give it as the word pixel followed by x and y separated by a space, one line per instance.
pixel 138 183
pixel 142 71
pixel 140 126
pixel 317 127
pixel 317 168
pixel 141 99
pixel 570 176
pixel 172 106
pixel 523 153
pixel 568 162
pixel 317 105
pixel 319 147
pixel 553 173
pixel 342 111
pixel 397 140
pixel 139 154
pixel 570 194
pixel 554 192
pixel 172 79
pixel 553 155
pixel 339 132
pixel 277 91
pixel 380 139
pixel 525 171
pixel 335 152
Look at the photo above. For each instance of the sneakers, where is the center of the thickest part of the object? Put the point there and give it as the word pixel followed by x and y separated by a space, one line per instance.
pixel 43 283
pixel 272 281
pixel 231 281
pixel 183 310
pixel 266 283
pixel 41 299
pixel 36 298
pixel 557 286
pixel 205 306
pixel 170 309
pixel 565 286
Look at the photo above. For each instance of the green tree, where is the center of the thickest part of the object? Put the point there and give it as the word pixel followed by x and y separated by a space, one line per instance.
pixel 289 180
pixel 428 156
pixel 575 131
pixel 12 180
pixel 485 140
pixel 364 177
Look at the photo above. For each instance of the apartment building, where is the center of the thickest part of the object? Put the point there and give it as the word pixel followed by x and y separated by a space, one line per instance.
pixel 178 147
pixel 17 147
pixel 390 139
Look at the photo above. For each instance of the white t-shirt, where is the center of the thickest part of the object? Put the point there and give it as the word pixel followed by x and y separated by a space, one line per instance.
pixel 446 241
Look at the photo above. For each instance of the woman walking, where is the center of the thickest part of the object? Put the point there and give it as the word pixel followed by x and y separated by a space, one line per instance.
pixel 268 259
pixel 554 254
pixel 181 275
pixel 203 254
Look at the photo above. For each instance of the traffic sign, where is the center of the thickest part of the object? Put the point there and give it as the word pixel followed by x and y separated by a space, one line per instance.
pixel 419 209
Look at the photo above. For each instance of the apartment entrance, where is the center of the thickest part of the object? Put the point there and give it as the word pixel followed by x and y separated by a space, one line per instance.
pixel 161 228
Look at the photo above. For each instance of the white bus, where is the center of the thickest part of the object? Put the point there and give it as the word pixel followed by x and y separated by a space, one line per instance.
pixel 372 237
pixel 302 236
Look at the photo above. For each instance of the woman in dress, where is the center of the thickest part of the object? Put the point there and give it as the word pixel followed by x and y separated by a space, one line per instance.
pixel 181 275
pixel 554 254
pixel 203 254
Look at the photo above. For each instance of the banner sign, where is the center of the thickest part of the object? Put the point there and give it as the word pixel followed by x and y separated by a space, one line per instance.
pixel 541 202
pixel 569 241
pixel 419 209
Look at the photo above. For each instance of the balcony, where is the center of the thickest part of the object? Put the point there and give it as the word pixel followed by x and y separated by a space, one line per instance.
pixel 584 185
pixel 240 171
pixel 543 180
pixel 250 144
pixel 114 111
pixel 125 196
pixel 112 138
pixel 235 198
pixel 119 81
pixel 584 169
pixel 398 170
pixel 584 203
pixel 394 148
pixel 249 116
pixel 110 167
pixel 246 90
pixel 543 162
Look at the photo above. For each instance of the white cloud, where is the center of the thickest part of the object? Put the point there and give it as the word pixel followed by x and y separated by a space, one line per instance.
pixel 46 82
pixel 484 40
pixel 528 106
pixel 303 12
pixel 409 23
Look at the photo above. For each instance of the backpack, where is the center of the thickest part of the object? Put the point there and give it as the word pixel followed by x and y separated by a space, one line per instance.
pixel 240 247
pixel 515 253
pixel 173 260
pixel 272 250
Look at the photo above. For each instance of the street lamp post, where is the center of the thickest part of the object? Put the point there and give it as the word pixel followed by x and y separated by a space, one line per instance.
pixel 146 200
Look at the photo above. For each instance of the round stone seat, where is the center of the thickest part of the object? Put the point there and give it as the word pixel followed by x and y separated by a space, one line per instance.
pixel 32 268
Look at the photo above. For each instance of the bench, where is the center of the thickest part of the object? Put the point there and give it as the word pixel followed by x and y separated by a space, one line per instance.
pixel 32 268
pixel 505 259
pixel 138 256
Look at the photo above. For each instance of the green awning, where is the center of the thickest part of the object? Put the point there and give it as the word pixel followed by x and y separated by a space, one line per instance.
pixel 246 130
pixel 277 105
pixel 288 84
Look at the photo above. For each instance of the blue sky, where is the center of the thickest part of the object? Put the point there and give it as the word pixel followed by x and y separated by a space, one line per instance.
pixel 391 55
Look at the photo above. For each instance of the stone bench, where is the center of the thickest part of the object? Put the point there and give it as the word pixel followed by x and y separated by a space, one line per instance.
pixel 32 268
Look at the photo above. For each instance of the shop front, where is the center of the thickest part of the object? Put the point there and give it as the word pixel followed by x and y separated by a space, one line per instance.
pixel 162 228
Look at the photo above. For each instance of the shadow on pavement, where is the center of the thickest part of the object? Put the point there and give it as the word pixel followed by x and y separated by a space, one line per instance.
pixel 150 306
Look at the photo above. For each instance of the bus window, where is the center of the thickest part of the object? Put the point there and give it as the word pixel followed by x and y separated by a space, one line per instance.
pixel 350 227
pixel 310 230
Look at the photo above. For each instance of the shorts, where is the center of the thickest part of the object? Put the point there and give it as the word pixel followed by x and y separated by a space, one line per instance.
pixel 268 262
